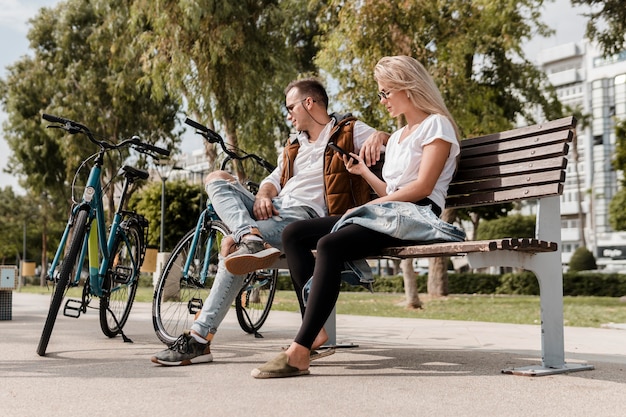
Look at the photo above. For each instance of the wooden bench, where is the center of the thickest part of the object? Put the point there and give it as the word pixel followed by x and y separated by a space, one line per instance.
pixel 527 164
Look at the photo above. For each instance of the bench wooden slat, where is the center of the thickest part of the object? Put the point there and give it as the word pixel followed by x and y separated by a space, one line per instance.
pixel 512 144
pixel 565 123
pixel 503 196
pixel 524 155
pixel 495 171
pixel 456 248
pixel 502 183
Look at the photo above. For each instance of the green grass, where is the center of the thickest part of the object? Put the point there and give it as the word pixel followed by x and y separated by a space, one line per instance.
pixel 578 311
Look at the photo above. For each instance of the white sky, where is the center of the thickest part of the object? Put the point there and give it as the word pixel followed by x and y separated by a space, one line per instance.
pixel 14 16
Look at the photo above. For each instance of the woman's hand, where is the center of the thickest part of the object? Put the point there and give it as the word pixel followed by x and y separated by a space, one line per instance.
pixel 356 168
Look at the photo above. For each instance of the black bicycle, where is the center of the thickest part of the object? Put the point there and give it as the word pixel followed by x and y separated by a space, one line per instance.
pixel 189 272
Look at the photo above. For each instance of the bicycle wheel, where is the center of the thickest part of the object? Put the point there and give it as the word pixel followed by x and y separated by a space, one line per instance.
pixel 255 299
pixel 120 283
pixel 177 298
pixel 68 267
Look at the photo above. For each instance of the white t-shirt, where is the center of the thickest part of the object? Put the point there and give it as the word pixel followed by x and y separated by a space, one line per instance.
pixel 402 160
pixel 306 186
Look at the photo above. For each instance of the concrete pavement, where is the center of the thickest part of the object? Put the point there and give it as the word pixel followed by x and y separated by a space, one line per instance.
pixel 400 367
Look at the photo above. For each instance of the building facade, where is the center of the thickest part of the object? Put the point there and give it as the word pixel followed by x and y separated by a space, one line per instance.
pixel 597 86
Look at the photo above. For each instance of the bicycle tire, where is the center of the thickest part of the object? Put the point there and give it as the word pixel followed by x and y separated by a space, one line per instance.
pixel 254 301
pixel 120 283
pixel 67 266
pixel 177 300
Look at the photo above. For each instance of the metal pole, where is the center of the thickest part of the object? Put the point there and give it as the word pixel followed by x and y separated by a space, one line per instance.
pixel 21 271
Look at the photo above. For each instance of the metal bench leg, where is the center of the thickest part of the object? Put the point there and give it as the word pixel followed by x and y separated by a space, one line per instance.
pixel 547 268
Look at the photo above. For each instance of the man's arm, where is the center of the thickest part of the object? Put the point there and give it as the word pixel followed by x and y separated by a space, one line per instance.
pixel 263 207
pixel 372 147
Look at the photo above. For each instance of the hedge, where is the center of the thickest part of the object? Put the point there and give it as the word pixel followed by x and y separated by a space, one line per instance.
pixel 524 283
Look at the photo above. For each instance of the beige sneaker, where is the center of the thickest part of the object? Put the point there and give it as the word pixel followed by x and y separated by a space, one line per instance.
pixel 250 256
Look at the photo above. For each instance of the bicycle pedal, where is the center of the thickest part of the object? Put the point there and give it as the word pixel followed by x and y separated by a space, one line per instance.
pixel 122 274
pixel 73 308
pixel 194 305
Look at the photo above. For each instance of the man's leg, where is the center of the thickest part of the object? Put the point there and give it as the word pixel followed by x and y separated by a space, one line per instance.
pixel 190 347
pixel 234 204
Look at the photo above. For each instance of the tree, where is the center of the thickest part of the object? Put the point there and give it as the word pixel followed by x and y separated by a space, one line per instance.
pixel 84 67
pixel 515 225
pixel 181 212
pixel 617 207
pixel 473 49
pixel 230 60
pixel 607 24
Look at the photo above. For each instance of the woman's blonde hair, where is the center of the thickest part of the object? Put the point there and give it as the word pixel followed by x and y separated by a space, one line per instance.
pixel 404 73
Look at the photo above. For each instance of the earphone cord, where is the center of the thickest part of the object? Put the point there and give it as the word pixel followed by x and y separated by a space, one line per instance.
pixel 314 119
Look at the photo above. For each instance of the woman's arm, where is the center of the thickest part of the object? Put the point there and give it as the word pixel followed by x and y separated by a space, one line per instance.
pixel 434 157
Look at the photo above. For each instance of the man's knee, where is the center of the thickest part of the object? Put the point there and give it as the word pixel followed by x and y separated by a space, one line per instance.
pixel 218 175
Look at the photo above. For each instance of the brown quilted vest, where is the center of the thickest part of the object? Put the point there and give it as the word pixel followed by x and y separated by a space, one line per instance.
pixel 342 190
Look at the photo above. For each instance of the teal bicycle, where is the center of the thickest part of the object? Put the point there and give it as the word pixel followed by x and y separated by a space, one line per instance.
pixel 189 272
pixel 107 260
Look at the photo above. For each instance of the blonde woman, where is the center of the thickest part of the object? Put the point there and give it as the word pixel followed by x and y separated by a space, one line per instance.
pixel 420 161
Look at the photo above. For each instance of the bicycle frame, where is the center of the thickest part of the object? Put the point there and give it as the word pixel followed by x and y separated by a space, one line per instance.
pixel 207 215
pixel 113 257
pixel 97 247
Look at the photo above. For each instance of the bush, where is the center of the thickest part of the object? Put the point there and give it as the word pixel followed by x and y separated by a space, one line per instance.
pixel 582 260
pixel 524 283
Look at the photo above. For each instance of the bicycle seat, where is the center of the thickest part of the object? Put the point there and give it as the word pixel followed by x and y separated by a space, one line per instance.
pixel 131 172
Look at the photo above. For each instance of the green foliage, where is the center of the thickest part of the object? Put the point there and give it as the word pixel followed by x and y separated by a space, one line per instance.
pixel 518 283
pixel 607 24
pixel 472 49
pixel 582 260
pixel 230 59
pixel 593 283
pixel 182 203
pixel 84 67
pixel 515 225
pixel 617 207
pixel 523 283
pixel 617 210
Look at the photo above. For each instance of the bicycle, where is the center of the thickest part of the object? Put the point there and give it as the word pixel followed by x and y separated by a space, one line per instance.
pixel 188 274
pixel 108 261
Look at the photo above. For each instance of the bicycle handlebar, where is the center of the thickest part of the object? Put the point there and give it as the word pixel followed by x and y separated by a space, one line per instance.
pixel 213 137
pixel 73 127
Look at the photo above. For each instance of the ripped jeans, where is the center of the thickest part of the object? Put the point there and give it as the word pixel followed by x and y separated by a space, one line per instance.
pixel 233 204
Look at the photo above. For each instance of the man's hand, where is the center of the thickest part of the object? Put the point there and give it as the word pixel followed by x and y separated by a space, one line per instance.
pixel 264 208
pixel 372 147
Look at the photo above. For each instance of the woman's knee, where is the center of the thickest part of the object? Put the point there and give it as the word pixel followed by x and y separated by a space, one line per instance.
pixel 290 235
pixel 218 175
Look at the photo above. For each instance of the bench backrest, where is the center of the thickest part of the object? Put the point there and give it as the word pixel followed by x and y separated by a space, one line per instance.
pixel 517 164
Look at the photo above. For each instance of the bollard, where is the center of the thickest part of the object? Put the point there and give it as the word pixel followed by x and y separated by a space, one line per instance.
pixel 8 282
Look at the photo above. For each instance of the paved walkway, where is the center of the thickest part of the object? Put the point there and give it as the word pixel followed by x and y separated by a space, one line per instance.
pixel 400 367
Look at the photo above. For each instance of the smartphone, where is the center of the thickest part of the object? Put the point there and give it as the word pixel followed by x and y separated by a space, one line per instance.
pixel 342 152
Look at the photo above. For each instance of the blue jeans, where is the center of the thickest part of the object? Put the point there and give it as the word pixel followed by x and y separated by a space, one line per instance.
pixel 233 204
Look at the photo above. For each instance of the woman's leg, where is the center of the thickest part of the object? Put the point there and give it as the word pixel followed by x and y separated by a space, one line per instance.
pixel 299 239
pixel 351 242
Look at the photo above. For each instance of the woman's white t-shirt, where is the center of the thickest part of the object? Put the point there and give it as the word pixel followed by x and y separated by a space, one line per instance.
pixel 402 160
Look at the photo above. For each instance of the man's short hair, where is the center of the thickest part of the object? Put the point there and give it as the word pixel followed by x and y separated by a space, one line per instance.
pixel 310 87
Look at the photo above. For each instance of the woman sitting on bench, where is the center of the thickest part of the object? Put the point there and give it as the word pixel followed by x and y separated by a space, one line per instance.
pixel 420 161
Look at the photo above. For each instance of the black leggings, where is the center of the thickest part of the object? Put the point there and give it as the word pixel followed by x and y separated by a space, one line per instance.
pixel 351 242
